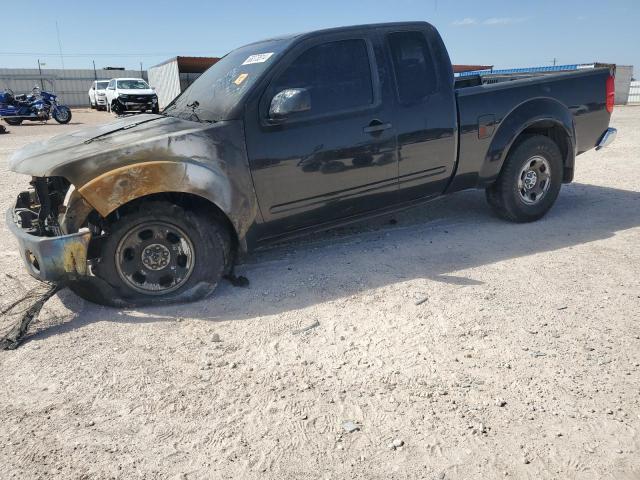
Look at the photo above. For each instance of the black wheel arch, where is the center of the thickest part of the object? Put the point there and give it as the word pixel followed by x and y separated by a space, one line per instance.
pixel 544 116
pixel 187 201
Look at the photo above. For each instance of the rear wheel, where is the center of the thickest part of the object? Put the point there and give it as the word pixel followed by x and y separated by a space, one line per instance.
pixel 529 182
pixel 159 253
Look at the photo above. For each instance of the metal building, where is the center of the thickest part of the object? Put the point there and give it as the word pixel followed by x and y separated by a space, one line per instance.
pixel 624 73
pixel 634 93
pixel 173 76
pixel 71 85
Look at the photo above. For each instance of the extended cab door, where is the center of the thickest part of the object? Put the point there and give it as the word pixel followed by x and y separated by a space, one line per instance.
pixel 336 159
pixel 425 116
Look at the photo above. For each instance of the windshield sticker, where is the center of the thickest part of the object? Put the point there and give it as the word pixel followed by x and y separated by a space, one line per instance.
pixel 241 78
pixel 258 58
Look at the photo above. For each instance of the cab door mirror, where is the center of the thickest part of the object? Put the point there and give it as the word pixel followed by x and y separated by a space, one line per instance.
pixel 289 101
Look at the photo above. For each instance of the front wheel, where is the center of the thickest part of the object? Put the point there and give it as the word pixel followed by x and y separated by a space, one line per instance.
pixel 529 182
pixel 159 253
pixel 13 121
pixel 62 114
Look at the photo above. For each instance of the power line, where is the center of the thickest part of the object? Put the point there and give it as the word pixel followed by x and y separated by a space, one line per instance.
pixel 158 54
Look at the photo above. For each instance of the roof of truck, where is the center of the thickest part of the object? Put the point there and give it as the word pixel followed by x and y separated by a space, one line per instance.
pixel 345 29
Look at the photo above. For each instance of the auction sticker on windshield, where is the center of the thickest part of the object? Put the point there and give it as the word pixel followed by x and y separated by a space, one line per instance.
pixel 241 78
pixel 257 58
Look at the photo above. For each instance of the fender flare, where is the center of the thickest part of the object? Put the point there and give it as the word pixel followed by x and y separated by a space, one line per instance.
pixel 117 187
pixel 543 111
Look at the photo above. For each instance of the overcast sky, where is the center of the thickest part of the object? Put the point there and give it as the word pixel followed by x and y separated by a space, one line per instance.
pixel 504 33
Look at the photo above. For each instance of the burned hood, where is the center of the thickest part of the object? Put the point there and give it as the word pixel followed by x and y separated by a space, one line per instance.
pixel 84 154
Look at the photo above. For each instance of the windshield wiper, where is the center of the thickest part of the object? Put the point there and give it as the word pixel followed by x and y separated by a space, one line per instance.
pixel 125 127
pixel 193 107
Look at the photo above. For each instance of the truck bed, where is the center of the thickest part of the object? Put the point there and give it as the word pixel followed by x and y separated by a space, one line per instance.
pixel 484 103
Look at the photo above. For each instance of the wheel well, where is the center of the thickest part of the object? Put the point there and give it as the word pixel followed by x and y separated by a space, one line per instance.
pixel 556 133
pixel 187 201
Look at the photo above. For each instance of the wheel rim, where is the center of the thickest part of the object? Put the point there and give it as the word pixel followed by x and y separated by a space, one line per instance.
pixel 155 258
pixel 534 180
pixel 62 114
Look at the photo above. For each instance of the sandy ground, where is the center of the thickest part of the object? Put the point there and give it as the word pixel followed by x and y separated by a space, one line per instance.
pixel 523 362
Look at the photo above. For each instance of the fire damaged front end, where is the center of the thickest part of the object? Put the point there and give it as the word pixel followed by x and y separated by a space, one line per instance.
pixel 83 182
pixel 39 222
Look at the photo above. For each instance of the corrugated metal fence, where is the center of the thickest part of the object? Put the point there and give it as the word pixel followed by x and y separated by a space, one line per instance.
pixel 72 86
pixel 634 93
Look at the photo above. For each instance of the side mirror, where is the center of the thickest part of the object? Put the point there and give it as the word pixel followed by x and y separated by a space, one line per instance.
pixel 291 100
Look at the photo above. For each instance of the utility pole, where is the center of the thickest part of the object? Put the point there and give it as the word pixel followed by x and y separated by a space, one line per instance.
pixel 141 71
pixel 554 61
pixel 95 74
pixel 40 70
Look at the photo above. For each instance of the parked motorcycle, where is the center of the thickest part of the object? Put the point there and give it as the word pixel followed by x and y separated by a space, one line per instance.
pixel 39 106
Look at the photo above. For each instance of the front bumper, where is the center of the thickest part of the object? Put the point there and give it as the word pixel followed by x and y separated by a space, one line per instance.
pixel 51 259
pixel 138 107
pixel 607 138
pixel 139 103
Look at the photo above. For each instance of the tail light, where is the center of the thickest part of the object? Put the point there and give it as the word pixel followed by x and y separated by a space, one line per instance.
pixel 611 93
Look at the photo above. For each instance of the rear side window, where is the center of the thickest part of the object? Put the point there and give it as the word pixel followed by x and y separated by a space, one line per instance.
pixel 336 74
pixel 414 68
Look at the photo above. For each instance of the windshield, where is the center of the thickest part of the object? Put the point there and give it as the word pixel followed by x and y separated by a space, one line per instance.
pixel 132 85
pixel 217 91
pixel 101 85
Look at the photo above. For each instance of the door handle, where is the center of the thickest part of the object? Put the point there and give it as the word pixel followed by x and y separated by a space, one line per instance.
pixel 376 126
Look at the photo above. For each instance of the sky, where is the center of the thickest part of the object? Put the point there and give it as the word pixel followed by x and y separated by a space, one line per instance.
pixel 514 33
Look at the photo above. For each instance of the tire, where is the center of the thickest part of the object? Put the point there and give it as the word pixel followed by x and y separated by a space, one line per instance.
pixel 116 107
pixel 13 121
pixel 156 110
pixel 93 105
pixel 158 253
pixel 62 115
pixel 519 195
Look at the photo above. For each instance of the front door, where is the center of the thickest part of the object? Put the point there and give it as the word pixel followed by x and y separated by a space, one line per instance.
pixel 338 158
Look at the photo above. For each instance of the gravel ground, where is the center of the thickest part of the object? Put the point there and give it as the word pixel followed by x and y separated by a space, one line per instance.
pixel 454 345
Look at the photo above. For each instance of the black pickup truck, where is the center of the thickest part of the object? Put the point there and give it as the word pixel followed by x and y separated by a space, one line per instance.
pixel 288 136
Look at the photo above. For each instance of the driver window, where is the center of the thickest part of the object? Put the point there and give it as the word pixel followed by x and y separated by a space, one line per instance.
pixel 336 74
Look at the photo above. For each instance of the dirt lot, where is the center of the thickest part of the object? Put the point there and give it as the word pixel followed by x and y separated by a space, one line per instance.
pixel 523 362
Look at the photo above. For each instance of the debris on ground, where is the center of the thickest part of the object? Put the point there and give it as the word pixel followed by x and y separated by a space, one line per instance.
pixel 237 280
pixel 307 328
pixel 350 426
pixel 26 309
pixel 421 301
pixel 396 444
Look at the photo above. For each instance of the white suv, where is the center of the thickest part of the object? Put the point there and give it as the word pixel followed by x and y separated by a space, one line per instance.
pixel 131 95
pixel 98 95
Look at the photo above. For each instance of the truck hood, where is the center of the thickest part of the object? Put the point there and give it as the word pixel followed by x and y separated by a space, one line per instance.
pixel 137 91
pixel 84 154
